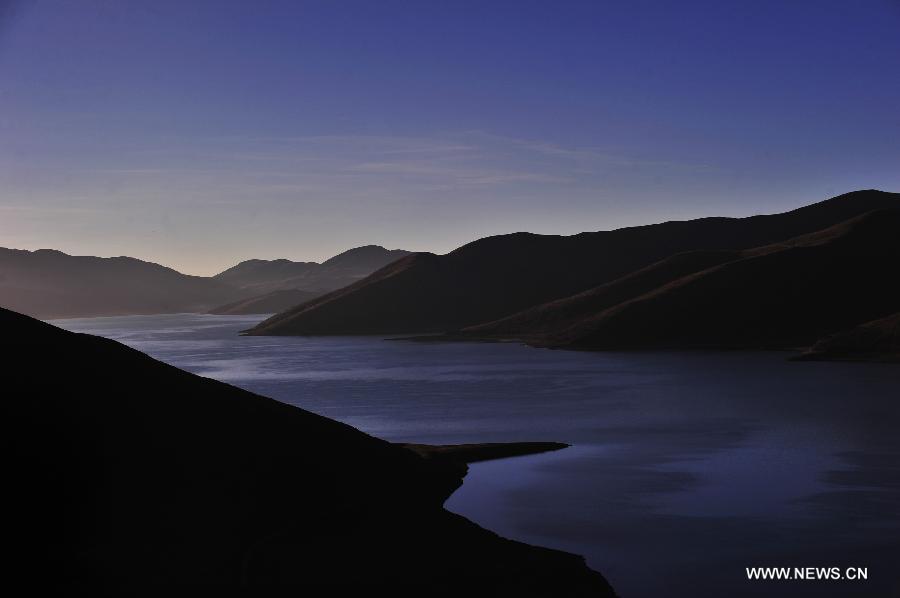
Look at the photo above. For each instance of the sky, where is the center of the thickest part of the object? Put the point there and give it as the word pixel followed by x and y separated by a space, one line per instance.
pixel 199 134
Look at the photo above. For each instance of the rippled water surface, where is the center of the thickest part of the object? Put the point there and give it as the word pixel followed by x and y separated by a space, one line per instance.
pixel 685 467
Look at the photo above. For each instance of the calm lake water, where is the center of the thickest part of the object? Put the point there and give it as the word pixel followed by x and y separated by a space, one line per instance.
pixel 685 467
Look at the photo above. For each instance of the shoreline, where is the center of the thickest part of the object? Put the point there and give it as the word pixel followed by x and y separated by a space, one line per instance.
pixel 482 451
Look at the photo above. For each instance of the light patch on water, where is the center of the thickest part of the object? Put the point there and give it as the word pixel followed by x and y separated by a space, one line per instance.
pixel 262 369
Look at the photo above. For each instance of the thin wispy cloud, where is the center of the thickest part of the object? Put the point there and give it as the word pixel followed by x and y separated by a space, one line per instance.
pixel 398 162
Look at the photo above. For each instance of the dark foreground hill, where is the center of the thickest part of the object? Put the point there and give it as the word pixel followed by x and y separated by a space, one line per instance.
pixel 499 276
pixel 878 340
pixel 125 476
pixel 52 284
pixel 787 295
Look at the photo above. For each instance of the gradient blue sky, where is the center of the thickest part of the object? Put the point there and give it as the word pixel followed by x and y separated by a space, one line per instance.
pixel 197 134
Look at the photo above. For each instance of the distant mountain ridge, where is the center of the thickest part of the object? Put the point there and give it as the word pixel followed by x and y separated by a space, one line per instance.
pixel 256 272
pixel 51 284
pixel 496 277
pixel 276 285
pixel 264 276
pixel 47 283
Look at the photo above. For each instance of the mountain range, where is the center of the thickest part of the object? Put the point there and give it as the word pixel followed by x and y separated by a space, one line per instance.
pixel 51 284
pixel 263 276
pixel 770 281
pixel 180 483
pixel 786 295
pixel 786 281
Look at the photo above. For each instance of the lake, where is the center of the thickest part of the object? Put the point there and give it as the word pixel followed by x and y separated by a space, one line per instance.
pixel 685 468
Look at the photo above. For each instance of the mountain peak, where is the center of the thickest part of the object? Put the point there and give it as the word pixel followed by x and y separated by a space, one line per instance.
pixel 365 255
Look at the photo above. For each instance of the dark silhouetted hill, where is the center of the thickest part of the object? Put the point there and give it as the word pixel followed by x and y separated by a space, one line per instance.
pixel 786 295
pixel 499 276
pixel 562 313
pixel 126 476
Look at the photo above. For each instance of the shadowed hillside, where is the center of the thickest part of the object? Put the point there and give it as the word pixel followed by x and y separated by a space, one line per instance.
pixel 878 340
pixel 264 276
pixel 498 276
pixel 780 296
pixel 278 285
pixel 126 476
pixel 269 303
pixel 562 313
